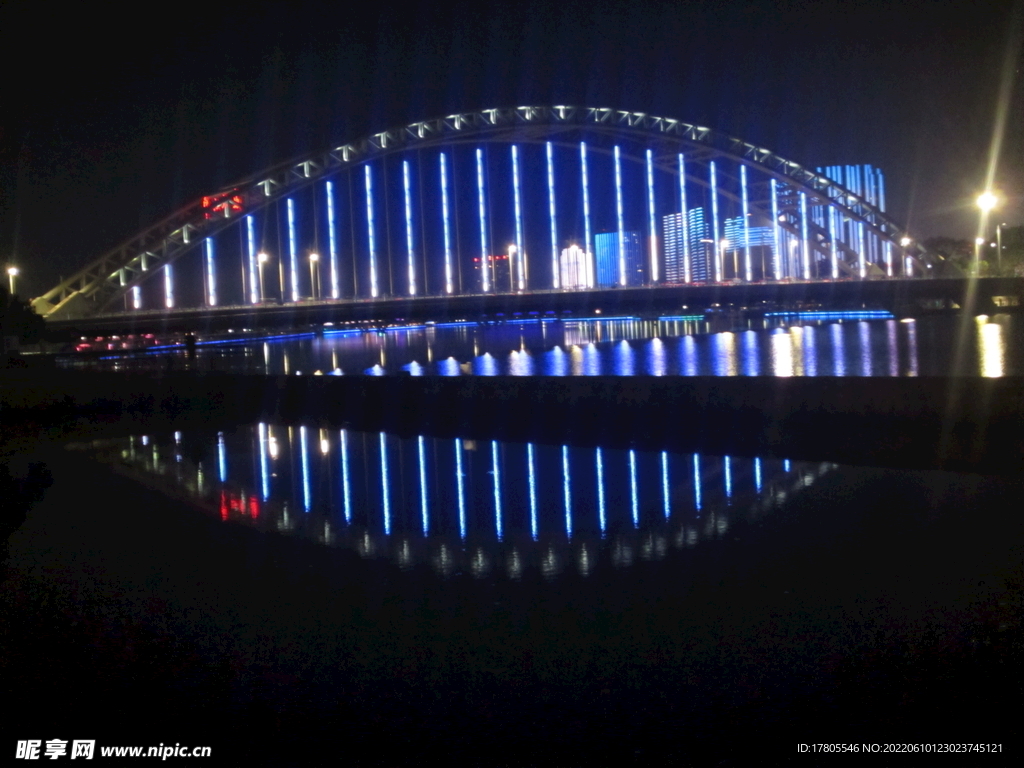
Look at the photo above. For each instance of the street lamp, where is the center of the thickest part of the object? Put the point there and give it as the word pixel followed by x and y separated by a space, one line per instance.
pixel 12 272
pixel 314 259
pixel 262 259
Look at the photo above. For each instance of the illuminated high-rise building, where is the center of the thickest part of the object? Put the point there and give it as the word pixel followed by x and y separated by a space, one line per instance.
pixel 499 276
pixel 575 268
pixel 762 248
pixel 606 249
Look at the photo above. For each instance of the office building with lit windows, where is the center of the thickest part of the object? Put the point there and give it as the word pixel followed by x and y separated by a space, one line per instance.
pixel 606 249
pixel 575 268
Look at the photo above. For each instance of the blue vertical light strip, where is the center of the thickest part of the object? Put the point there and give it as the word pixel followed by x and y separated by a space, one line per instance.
pixel 496 475
pixel 786 465
pixel 346 480
pixel 777 250
pixel 664 484
pixel 555 283
pixel 588 246
pixel 370 231
pixel 293 251
pixel 619 216
pixel 264 469
pixel 460 487
pixel 803 233
pixel 422 456
pixel 517 195
pixel 449 277
pixel 860 250
pixel 566 491
pixel 757 474
pixel 714 223
pixel 408 228
pixel 222 461
pixel 304 452
pixel 633 496
pixel 696 482
pixel 385 483
pixel 749 271
pixel 532 478
pixel 211 274
pixel 602 519
pixel 686 219
pixel 332 241
pixel 834 248
pixel 168 287
pixel 250 239
pixel 651 222
pixel 485 262
pixel 728 476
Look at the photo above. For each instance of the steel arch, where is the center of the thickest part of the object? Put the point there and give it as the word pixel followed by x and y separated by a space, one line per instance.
pixel 106 280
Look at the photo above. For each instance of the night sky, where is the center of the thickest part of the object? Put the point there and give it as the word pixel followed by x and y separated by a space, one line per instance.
pixel 109 122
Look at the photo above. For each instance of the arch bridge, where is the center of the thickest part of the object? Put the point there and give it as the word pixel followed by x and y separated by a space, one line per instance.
pixel 504 201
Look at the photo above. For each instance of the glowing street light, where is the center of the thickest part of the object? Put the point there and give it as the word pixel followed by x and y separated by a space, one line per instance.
pixel 314 259
pixel 987 201
pixel 905 241
pixel 262 259
pixel 12 272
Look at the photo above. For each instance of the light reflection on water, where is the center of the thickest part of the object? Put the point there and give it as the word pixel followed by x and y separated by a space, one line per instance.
pixel 872 347
pixel 461 505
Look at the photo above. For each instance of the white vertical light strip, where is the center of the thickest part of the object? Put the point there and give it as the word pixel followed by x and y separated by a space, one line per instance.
pixel 293 251
pixel 346 483
pixel 834 248
pixel 408 228
pixel 374 292
pixel 601 517
pixel 633 496
pixel 651 223
pixel 250 237
pixel 304 452
pixel 566 491
pixel 888 258
pixel 551 216
pixel 422 455
pixel 496 472
pixel 664 484
pixel 517 196
pixel 222 461
pixel 168 287
pixel 588 246
pixel 860 250
pixel 385 483
pixel 449 278
pixel 803 233
pixel 714 223
pixel 485 268
pixel 136 297
pixel 211 275
pixel 460 486
pixel 686 219
pixel 332 240
pixel 532 476
pixel 757 474
pixel 748 270
pixel 264 469
pixel 619 216
pixel 777 250
pixel 696 481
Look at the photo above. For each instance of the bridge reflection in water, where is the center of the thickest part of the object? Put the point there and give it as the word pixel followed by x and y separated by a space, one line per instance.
pixel 463 506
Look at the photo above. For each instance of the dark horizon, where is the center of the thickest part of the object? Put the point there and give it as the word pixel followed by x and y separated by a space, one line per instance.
pixel 134 129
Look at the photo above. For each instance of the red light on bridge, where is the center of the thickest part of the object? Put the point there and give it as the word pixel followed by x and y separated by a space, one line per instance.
pixel 224 204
